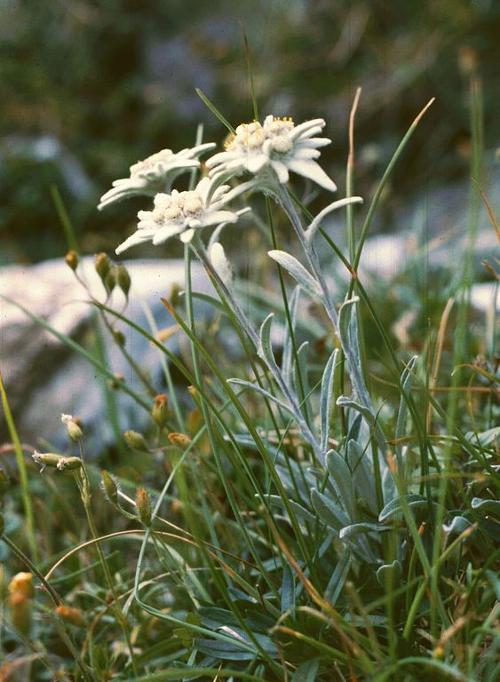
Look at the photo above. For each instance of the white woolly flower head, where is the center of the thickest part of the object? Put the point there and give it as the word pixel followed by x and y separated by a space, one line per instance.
pixel 277 144
pixel 181 213
pixel 155 174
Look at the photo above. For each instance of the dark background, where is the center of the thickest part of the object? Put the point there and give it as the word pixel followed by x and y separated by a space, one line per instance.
pixel 90 87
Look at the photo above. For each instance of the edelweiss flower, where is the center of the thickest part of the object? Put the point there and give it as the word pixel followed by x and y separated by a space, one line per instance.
pixel 181 213
pixel 155 174
pixel 277 144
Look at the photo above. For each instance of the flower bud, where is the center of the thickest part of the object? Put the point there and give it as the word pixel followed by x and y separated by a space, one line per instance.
pixel 179 439
pixel 72 426
pixel 109 486
pixel 102 265
pixel 20 593
pixel 2 525
pixel 136 441
pixel 119 337
pixel 22 583
pixel 110 279
pixel 71 615
pixel 123 278
pixel 143 504
pixel 71 259
pixel 59 462
pixel 160 409
pixel 69 463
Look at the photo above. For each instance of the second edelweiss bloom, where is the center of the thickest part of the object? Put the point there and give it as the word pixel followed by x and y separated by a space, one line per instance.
pixel 181 213
pixel 277 144
pixel 155 174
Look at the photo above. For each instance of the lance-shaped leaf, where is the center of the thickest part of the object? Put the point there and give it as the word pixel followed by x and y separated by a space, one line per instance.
pixel 348 332
pixel 262 391
pixel 287 362
pixel 328 511
pixel 393 508
pixel 297 271
pixel 486 506
pixel 362 473
pixel 406 382
pixel 316 223
pixel 341 474
pixel 326 397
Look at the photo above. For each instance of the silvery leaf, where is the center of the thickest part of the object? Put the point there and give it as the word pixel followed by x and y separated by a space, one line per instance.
pixel 297 271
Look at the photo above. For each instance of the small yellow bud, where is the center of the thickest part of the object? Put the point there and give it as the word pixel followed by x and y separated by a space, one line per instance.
pixel 123 279
pixel 102 265
pixel 22 583
pixel 160 409
pixel 71 259
pixel 143 504
pixel 110 487
pixel 59 462
pixel 110 279
pixel 73 427
pixel 71 614
pixel 69 463
pixel 136 441
pixel 179 439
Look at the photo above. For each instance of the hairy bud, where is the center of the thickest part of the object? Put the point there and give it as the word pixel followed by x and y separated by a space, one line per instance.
pixel 123 278
pixel 136 441
pixel 72 259
pixel 102 265
pixel 143 504
pixel 160 409
pixel 71 615
pixel 73 427
pixel 179 439
pixel 109 486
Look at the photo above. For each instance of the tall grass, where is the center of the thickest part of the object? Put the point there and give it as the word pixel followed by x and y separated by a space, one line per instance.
pixel 283 520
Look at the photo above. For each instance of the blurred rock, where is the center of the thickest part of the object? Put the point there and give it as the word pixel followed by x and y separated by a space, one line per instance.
pixel 45 378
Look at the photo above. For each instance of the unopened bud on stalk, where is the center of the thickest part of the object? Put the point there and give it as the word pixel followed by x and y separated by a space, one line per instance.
pixel 179 439
pixel 109 486
pixel 136 441
pixel 143 504
pixel 123 279
pixel 20 595
pixel 71 615
pixel 23 584
pixel 102 265
pixel 110 280
pixel 72 259
pixel 160 409
pixel 119 337
pixel 59 462
pixel 72 426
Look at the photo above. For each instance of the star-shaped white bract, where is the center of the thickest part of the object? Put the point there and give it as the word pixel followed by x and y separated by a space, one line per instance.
pixel 277 144
pixel 155 174
pixel 181 213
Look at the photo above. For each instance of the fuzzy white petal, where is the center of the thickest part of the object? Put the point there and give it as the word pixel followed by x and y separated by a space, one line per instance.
pixel 313 171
